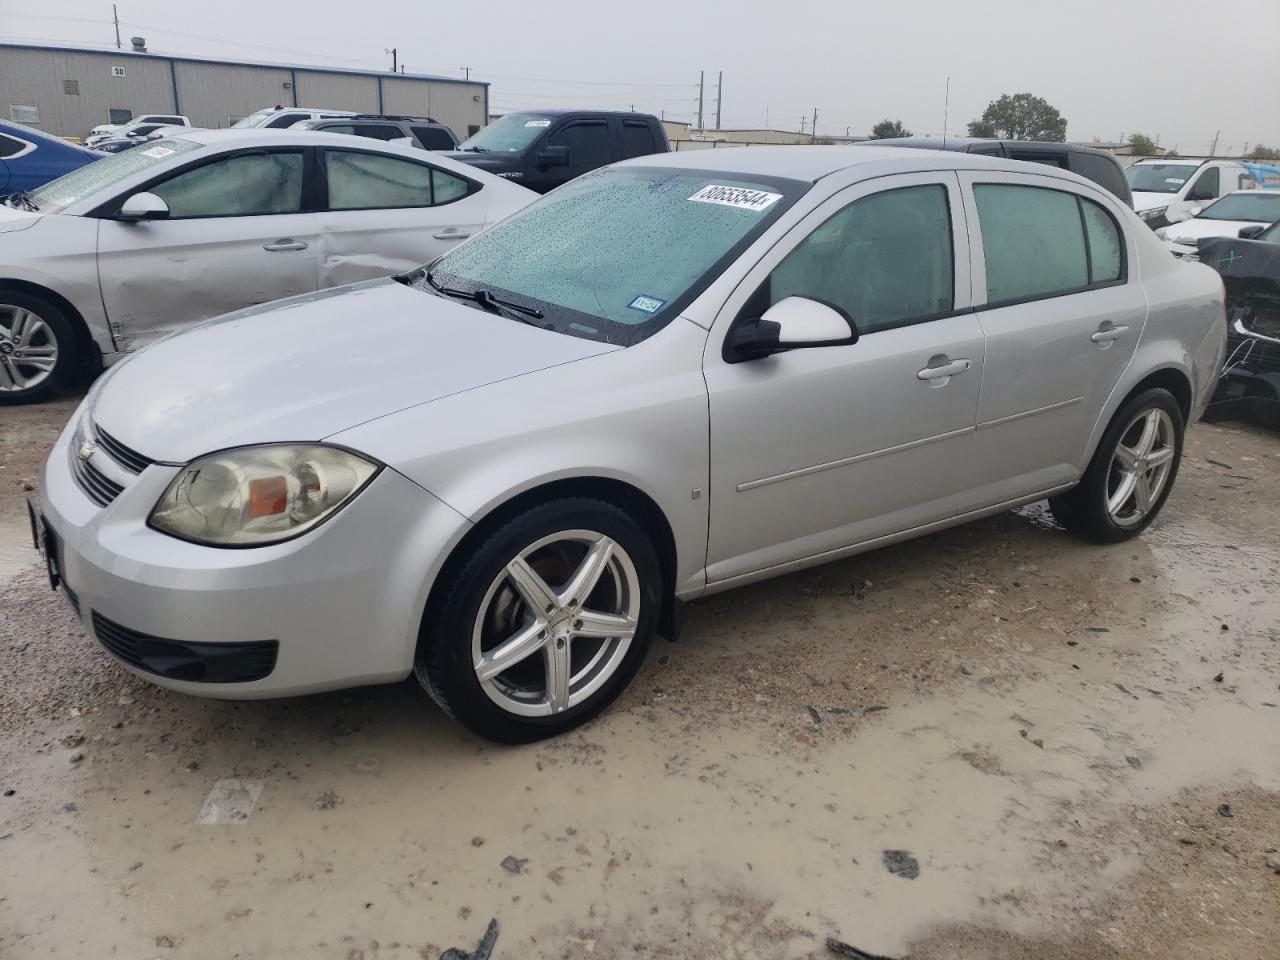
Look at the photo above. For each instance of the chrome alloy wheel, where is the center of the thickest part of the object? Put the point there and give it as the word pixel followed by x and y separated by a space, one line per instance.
pixel 1140 466
pixel 556 623
pixel 28 349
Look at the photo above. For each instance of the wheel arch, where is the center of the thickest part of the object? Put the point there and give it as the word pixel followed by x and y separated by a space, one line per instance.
pixel 91 352
pixel 626 496
pixel 1173 373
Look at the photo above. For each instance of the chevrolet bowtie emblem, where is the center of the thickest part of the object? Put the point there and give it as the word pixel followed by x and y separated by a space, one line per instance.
pixel 87 450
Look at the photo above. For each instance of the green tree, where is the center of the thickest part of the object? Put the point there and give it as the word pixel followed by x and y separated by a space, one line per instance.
pixel 887 129
pixel 1264 153
pixel 1143 146
pixel 1022 116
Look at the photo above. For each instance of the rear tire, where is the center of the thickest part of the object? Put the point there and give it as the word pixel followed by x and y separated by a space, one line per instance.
pixel 39 349
pixel 1131 473
pixel 545 623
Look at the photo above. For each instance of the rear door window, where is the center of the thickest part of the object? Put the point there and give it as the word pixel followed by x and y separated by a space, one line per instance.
pixel 637 139
pixel 1036 156
pixel 286 120
pixel 379 131
pixel 1039 242
pixel 588 144
pixel 11 146
pixel 370 181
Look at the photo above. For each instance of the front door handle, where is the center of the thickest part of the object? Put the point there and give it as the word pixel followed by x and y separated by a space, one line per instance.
pixel 1109 332
pixel 287 243
pixel 941 367
pixel 452 233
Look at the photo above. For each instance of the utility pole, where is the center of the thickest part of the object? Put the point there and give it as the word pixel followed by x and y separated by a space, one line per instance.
pixel 1214 149
pixel 946 110
pixel 466 73
pixel 802 119
pixel 701 77
pixel 813 131
pixel 719 93
pixel 115 16
pixel 392 51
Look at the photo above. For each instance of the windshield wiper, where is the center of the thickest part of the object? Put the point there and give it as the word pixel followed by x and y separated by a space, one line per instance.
pixel 489 302
pixel 22 200
pixel 475 149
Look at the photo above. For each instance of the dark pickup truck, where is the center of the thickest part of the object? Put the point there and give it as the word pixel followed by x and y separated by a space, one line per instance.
pixel 545 148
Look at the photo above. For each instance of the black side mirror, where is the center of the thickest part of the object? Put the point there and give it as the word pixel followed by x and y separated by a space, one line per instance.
pixel 552 157
pixel 1251 232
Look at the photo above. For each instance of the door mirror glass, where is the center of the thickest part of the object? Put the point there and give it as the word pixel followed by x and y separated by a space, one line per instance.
pixel 790 324
pixel 143 206
pixel 553 157
pixel 1252 232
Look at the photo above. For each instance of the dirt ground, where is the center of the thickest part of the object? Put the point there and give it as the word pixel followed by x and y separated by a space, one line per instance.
pixel 1064 751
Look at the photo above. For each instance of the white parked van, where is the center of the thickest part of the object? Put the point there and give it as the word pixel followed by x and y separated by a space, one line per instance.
pixel 1166 188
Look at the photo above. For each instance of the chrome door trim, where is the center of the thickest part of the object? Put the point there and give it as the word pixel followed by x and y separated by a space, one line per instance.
pixel 1031 413
pixel 846 461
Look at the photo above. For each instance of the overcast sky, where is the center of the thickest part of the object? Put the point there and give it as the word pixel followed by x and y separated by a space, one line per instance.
pixel 1172 68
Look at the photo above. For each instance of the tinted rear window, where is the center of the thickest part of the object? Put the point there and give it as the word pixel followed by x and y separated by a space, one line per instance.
pixel 637 140
pixel 433 138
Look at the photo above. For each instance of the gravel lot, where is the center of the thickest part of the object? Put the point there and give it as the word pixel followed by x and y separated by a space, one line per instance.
pixel 1064 751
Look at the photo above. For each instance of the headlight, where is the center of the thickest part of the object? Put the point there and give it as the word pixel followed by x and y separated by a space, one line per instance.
pixel 1153 214
pixel 253 496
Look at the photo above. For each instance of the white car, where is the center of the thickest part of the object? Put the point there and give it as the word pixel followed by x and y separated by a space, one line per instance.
pixel 276 118
pixel 138 126
pixel 1166 188
pixel 1223 218
pixel 132 247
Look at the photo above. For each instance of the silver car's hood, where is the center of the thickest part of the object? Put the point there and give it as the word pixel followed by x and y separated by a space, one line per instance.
pixel 311 366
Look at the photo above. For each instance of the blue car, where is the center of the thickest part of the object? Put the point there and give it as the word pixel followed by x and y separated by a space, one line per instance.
pixel 30 157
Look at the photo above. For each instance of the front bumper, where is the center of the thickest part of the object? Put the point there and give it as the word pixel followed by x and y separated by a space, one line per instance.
pixel 339 606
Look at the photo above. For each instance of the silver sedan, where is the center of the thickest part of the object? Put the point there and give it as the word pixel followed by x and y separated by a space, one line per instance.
pixel 680 374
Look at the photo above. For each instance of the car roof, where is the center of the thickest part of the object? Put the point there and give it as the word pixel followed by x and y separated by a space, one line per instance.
pixel 814 163
pixel 566 111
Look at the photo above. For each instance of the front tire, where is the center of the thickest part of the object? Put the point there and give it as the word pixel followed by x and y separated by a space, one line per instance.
pixel 38 348
pixel 545 623
pixel 1131 473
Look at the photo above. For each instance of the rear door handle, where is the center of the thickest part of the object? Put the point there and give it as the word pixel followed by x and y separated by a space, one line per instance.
pixel 452 233
pixel 1106 334
pixel 287 243
pixel 941 367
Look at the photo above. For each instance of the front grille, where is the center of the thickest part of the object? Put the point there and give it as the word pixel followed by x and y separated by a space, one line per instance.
pixel 99 488
pixel 131 460
pixel 181 660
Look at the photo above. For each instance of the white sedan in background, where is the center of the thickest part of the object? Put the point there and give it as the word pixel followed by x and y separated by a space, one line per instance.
pixel 140 244
pixel 1250 211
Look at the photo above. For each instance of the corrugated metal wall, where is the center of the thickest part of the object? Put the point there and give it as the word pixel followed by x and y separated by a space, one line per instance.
pixel 338 91
pixel 217 94
pixel 36 78
pixel 212 94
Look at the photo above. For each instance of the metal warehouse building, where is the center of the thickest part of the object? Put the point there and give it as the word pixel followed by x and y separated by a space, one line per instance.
pixel 66 91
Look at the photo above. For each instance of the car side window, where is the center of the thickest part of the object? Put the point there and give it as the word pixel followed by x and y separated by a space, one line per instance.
pixel 1035 156
pixel 379 131
pixel 10 146
pixel 637 139
pixel 433 138
pixel 370 181
pixel 348 128
pixel 1206 185
pixel 885 260
pixel 239 186
pixel 286 120
pixel 446 187
pixel 588 144
pixel 1038 242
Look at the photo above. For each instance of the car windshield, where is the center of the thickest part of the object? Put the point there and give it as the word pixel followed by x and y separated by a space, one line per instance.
pixel 1159 177
pixel 616 254
pixel 1256 205
pixel 509 134
pixel 253 120
pixel 105 173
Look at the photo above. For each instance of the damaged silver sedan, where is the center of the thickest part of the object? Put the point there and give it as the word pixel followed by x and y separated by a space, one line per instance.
pixel 152 240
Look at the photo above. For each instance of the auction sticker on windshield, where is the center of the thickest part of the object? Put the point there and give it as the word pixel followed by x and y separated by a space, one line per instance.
pixel 646 304
pixel 157 153
pixel 537 123
pixel 739 197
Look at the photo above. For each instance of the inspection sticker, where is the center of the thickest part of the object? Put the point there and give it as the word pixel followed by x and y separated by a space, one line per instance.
pixel 646 304
pixel 739 197
pixel 537 123
pixel 157 153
